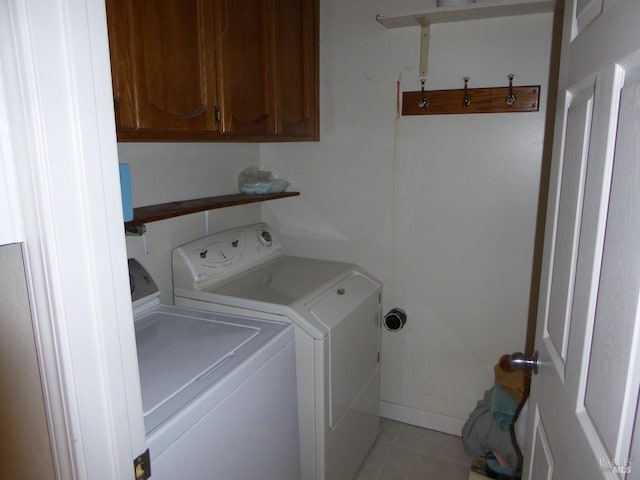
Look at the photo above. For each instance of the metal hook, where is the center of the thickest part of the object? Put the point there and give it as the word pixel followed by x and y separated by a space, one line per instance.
pixel 424 103
pixel 511 98
pixel 466 101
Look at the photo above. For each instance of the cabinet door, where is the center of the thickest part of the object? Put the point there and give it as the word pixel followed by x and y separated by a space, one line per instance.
pixel 162 64
pixel 296 50
pixel 245 66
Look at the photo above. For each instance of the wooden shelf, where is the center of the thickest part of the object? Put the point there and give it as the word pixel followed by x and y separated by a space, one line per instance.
pixel 153 213
pixel 466 12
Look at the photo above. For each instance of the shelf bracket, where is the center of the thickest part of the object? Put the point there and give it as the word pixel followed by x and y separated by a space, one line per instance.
pixel 424 50
pixel 135 230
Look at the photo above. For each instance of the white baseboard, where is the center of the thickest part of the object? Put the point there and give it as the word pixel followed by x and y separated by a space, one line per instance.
pixel 420 418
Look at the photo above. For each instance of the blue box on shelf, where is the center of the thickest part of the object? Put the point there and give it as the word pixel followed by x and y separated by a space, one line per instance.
pixel 125 188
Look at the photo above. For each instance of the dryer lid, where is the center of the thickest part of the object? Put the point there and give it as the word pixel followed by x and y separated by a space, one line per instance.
pixel 285 280
pixel 285 286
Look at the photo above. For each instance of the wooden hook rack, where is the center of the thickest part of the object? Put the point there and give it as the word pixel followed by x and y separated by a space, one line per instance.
pixel 481 100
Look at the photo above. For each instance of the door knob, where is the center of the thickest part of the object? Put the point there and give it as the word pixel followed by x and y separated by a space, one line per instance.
pixel 519 361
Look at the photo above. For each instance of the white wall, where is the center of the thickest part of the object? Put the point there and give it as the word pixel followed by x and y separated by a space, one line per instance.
pixel 167 172
pixel 441 208
pixel 11 229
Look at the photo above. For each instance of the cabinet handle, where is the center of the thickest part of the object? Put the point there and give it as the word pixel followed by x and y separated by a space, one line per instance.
pixel 216 114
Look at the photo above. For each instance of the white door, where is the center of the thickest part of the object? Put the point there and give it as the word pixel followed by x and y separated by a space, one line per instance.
pixel 584 399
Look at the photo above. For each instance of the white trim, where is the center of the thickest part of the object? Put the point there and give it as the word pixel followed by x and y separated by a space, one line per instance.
pixel 420 418
pixel 56 66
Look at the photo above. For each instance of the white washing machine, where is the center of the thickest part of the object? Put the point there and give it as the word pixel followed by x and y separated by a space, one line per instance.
pixel 335 308
pixel 218 390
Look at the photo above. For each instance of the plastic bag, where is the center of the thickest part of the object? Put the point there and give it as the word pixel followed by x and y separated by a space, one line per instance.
pixel 253 181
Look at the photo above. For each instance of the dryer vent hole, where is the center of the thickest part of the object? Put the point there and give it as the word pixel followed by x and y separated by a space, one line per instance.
pixel 395 320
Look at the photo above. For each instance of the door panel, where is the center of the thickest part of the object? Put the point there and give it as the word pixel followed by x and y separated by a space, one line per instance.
pixel 614 342
pixel 352 312
pixel 587 12
pixel 542 462
pixel 162 69
pixel 574 167
pixel 245 66
pixel 294 63
pixel 164 77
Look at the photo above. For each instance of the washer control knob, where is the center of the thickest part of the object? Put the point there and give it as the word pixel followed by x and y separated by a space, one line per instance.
pixel 265 238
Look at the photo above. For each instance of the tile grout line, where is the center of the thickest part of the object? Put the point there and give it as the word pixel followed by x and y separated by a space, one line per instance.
pixel 391 439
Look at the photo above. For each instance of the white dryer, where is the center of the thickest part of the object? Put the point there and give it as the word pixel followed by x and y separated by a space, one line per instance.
pixel 218 390
pixel 336 310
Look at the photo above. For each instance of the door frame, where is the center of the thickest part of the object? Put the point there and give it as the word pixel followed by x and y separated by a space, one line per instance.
pixel 56 83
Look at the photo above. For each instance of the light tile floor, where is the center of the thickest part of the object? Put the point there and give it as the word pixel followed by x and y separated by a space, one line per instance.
pixel 406 452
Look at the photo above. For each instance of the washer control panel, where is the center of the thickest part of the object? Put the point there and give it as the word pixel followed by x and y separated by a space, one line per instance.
pixel 207 260
pixel 141 284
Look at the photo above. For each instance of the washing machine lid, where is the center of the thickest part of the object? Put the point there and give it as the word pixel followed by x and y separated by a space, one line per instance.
pixel 182 351
pixel 285 280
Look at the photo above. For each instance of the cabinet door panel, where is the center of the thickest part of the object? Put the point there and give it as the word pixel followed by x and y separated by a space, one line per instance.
pixel 119 39
pixel 295 59
pixel 164 73
pixel 245 67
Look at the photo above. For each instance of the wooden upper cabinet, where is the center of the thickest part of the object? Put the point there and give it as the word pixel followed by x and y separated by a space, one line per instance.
pixel 214 70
